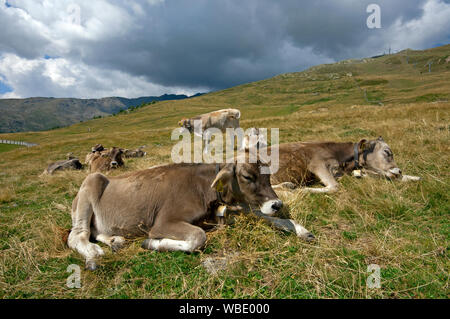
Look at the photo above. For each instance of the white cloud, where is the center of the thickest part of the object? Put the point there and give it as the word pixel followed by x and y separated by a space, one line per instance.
pixel 61 78
pixel 431 28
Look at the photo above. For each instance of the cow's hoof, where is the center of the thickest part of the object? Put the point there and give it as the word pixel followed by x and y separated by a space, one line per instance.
pixel 289 185
pixel 116 247
pixel 309 237
pixel 117 244
pixel 146 244
pixel 91 265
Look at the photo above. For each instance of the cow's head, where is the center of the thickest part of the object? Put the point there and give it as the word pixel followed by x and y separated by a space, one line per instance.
pixel 244 183
pixel 377 157
pixel 141 152
pixel 115 156
pixel 234 113
pixel 97 148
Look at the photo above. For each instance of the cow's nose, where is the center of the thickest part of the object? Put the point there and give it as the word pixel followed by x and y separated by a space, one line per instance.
pixel 114 163
pixel 276 206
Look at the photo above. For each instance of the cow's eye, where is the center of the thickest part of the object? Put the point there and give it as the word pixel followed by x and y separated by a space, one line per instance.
pixel 248 178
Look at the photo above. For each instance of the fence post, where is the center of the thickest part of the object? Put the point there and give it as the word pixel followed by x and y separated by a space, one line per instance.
pixel 18 143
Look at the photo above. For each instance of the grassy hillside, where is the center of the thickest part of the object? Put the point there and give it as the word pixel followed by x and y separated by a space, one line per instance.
pixel 8 147
pixel 41 113
pixel 404 228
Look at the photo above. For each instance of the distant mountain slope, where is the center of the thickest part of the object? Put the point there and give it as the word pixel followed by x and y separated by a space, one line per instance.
pixel 40 113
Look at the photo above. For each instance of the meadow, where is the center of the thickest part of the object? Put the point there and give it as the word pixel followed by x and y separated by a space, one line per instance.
pixel 8 147
pixel 402 227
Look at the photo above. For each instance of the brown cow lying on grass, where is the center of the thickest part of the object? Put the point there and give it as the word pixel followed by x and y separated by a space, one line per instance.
pixel 126 152
pixel 97 148
pixel 105 160
pixel 70 163
pixel 303 163
pixel 134 153
pixel 165 204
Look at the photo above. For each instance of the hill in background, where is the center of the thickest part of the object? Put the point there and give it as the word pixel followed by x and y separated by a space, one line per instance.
pixel 41 113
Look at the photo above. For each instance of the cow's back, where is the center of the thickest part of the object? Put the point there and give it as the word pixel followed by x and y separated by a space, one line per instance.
pixel 64 164
pixel 131 203
pixel 294 160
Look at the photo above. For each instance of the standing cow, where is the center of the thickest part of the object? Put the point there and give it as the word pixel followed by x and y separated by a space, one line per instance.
pixel 221 119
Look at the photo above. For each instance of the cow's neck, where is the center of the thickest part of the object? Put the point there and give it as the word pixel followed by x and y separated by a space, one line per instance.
pixel 226 196
pixel 345 155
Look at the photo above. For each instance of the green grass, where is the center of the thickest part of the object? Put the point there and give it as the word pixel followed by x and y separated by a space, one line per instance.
pixel 404 228
pixel 8 147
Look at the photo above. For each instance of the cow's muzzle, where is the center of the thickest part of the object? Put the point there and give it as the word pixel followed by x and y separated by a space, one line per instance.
pixel 395 172
pixel 271 207
pixel 114 164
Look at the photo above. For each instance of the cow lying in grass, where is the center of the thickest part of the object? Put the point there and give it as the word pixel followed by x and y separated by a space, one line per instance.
pixel 134 153
pixel 105 160
pixel 165 204
pixel 70 163
pixel 303 163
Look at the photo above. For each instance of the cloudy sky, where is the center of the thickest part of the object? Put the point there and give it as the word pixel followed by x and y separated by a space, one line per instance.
pixel 131 48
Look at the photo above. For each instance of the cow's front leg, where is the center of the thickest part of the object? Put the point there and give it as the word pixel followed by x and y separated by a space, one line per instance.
pixel 115 242
pixel 325 176
pixel 284 186
pixel 175 236
pixel 82 213
pixel 408 178
pixel 79 235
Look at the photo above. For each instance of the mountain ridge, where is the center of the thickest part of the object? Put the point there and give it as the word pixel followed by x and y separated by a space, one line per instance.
pixel 43 113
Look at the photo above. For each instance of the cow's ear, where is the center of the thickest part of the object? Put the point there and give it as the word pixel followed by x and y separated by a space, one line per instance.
pixel 224 176
pixel 362 145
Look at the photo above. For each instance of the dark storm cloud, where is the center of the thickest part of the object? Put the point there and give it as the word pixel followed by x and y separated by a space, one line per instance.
pixel 213 44
pixel 223 43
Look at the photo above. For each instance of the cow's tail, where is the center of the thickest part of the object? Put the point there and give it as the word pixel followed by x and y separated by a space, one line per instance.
pixel 65 235
pixel 62 234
